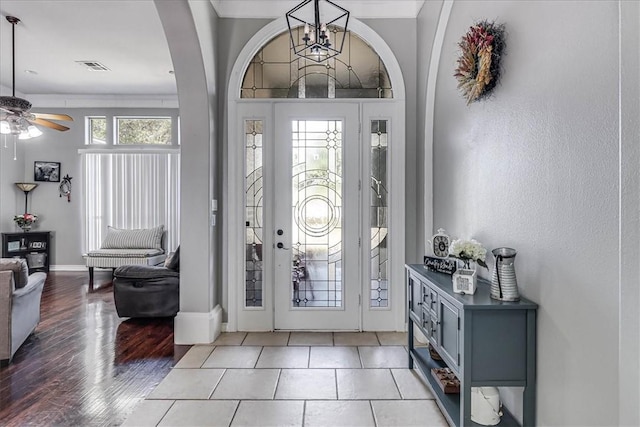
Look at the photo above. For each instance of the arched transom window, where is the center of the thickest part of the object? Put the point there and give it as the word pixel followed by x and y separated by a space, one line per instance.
pixel 277 72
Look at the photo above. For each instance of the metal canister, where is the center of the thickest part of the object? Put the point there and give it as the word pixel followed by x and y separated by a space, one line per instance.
pixel 504 286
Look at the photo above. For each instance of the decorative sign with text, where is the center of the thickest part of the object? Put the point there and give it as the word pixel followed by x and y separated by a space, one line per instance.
pixel 441 265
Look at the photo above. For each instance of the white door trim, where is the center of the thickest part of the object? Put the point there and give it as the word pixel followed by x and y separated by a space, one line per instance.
pixel 233 191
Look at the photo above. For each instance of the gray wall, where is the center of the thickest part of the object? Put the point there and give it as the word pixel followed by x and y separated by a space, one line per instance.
pixel 629 367
pixel 11 171
pixel 206 23
pixel 196 184
pixel 233 34
pixel 536 168
pixel 401 36
pixel 427 23
pixel 55 213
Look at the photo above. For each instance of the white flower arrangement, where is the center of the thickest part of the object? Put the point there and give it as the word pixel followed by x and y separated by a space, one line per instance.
pixel 468 250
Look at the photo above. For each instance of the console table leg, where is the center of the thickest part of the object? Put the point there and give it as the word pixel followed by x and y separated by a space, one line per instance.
pixel 528 406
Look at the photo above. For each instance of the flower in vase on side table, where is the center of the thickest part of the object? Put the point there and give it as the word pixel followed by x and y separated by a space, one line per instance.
pixel 465 279
pixel 25 221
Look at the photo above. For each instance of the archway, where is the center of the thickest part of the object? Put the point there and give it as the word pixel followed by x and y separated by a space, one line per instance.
pixel 390 318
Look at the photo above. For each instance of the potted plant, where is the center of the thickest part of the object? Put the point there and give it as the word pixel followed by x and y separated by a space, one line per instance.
pixel 25 221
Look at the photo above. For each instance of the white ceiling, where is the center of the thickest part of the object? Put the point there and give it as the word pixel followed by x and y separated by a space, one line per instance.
pixel 125 36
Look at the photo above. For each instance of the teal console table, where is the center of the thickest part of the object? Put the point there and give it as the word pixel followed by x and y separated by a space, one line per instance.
pixel 483 341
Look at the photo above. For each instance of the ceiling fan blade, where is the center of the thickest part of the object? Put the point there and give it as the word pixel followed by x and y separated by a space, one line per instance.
pixel 49 124
pixel 53 116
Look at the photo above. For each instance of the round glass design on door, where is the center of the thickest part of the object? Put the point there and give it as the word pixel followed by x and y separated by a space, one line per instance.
pixel 317 208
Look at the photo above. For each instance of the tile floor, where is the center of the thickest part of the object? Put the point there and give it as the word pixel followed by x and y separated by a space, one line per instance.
pixel 292 379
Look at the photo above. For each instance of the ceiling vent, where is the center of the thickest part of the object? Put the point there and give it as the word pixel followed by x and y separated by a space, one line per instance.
pixel 93 65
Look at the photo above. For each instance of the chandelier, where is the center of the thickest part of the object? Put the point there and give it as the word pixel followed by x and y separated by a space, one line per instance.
pixel 324 25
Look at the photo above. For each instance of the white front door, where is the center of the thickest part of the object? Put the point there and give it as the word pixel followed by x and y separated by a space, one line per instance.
pixel 316 259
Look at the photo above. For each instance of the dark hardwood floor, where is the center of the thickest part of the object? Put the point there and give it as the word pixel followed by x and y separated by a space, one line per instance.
pixel 84 366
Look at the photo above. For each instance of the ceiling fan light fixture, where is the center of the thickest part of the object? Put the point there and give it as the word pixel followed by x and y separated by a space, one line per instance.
pixel 15 116
pixel 34 132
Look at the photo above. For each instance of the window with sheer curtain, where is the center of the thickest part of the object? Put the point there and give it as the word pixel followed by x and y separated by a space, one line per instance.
pixel 131 190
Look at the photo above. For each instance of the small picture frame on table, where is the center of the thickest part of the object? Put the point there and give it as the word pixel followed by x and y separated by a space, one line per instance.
pixel 37 245
pixel 13 246
pixel 46 171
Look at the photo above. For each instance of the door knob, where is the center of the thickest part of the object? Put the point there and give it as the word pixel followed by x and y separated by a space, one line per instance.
pixel 280 245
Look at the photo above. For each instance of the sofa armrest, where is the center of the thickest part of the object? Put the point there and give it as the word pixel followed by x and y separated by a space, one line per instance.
pixel 6 284
pixel 35 284
pixel 6 291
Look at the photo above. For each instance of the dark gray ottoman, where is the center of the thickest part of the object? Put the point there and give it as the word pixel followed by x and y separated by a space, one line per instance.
pixel 146 291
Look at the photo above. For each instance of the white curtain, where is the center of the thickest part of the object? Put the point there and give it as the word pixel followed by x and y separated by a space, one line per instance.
pixel 131 190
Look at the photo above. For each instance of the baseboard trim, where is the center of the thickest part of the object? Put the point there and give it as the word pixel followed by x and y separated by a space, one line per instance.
pixel 67 268
pixel 197 328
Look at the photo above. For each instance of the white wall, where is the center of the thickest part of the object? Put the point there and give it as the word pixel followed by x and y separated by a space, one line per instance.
pixel 536 168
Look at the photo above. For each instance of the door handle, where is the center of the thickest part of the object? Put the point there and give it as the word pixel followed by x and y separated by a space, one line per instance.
pixel 280 245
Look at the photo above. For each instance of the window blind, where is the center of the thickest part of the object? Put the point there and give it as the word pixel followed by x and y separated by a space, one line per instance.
pixel 130 190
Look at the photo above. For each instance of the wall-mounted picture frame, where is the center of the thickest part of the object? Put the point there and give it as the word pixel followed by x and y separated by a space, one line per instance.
pixel 13 246
pixel 46 171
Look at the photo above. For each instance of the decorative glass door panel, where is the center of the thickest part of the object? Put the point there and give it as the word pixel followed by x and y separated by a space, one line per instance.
pixel 316 212
pixel 316 229
pixel 254 187
pixel 379 205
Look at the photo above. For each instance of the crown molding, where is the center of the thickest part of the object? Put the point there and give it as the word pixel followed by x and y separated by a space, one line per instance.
pixel 360 9
pixel 103 101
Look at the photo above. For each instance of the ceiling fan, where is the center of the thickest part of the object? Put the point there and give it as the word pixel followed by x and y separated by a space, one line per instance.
pixel 15 115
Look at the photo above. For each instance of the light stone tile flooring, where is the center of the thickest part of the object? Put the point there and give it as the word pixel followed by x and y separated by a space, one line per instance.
pixel 292 379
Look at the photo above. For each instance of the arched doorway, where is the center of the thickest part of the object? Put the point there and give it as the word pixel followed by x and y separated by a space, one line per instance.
pixel 315 227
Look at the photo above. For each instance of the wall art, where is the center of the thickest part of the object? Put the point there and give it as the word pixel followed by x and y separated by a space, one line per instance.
pixel 478 69
pixel 46 171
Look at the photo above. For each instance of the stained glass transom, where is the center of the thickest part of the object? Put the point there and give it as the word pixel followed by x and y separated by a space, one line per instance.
pixel 378 215
pixel 253 212
pixel 317 213
pixel 277 72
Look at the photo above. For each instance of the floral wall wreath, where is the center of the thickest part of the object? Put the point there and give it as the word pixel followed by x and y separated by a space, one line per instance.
pixel 479 61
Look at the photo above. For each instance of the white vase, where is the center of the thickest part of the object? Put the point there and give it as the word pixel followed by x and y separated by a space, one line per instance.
pixel 486 408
